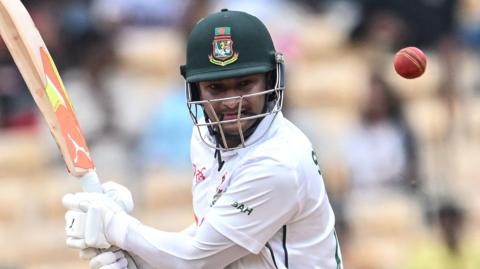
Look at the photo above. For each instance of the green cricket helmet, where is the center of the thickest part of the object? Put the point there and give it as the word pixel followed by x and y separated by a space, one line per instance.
pixel 230 44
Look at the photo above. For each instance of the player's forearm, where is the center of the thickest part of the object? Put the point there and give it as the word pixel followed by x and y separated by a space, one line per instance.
pixel 138 262
pixel 142 264
pixel 174 250
pixel 190 230
pixel 162 249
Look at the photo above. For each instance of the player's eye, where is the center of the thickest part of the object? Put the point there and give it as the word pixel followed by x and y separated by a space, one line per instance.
pixel 244 83
pixel 212 86
pixel 215 89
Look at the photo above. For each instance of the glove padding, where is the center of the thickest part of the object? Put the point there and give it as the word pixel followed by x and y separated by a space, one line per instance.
pixel 87 219
pixel 89 214
pixel 117 259
pixel 119 194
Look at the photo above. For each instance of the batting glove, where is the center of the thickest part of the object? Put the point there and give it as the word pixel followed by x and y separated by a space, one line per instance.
pixel 119 194
pixel 114 259
pixel 89 214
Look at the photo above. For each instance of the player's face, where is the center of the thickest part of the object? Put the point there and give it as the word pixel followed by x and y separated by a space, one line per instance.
pixel 228 109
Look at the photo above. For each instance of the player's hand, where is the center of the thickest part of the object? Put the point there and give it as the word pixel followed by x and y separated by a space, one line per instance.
pixel 119 194
pixel 87 219
pixel 117 259
pixel 116 192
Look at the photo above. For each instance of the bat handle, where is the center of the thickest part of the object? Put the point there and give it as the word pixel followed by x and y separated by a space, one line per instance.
pixel 91 183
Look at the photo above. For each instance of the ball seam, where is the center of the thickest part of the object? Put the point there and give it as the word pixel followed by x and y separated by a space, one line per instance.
pixel 412 57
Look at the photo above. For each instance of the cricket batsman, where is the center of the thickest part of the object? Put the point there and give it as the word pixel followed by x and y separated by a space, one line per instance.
pixel 258 194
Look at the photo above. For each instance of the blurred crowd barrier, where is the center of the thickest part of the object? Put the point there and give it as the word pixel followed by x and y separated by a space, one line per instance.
pixel 399 157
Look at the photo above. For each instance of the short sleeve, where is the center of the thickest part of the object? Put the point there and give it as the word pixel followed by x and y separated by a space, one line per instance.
pixel 261 198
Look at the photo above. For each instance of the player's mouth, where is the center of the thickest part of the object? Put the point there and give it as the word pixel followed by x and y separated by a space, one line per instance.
pixel 232 115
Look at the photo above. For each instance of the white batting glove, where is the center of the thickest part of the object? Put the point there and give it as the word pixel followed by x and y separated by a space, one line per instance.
pixel 119 194
pixel 87 219
pixel 117 259
pixel 76 218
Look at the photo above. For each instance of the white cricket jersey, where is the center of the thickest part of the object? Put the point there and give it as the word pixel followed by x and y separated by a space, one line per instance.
pixel 269 198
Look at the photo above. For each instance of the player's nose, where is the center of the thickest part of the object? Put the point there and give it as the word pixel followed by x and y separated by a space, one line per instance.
pixel 231 103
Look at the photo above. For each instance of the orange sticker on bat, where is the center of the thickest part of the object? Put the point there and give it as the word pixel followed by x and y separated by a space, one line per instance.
pixel 58 97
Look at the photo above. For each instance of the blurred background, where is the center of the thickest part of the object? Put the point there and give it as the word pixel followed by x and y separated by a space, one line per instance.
pixel 400 158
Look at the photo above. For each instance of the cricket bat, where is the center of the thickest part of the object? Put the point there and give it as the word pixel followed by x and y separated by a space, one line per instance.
pixel 43 80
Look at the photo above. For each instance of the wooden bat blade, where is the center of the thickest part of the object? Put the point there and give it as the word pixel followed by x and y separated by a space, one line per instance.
pixel 42 78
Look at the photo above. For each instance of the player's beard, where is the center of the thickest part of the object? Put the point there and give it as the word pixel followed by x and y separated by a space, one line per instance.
pixel 231 129
pixel 231 132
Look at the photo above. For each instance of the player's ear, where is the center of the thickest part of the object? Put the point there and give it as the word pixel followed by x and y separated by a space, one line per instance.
pixel 270 79
pixel 195 90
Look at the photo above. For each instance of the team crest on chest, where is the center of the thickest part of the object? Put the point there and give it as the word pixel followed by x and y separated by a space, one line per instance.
pixel 222 47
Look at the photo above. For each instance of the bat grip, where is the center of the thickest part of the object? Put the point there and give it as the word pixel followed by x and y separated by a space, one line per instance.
pixel 91 183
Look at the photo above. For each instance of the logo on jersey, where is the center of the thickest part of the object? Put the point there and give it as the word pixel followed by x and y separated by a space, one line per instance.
pixel 219 190
pixel 222 48
pixel 217 196
pixel 242 207
pixel 199 174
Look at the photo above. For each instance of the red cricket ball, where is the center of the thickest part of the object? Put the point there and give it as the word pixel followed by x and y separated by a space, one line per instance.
pixel 410 62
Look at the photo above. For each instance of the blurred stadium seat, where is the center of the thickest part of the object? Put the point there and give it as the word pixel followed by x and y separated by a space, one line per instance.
pixel 327 81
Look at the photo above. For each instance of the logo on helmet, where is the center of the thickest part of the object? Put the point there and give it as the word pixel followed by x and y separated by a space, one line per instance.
pixel 222 48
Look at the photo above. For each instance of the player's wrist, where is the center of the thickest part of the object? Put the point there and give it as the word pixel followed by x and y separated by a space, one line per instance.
pixel 117 228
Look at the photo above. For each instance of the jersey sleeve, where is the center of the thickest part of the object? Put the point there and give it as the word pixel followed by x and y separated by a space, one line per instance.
pixel 203 247
pixel 261 197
